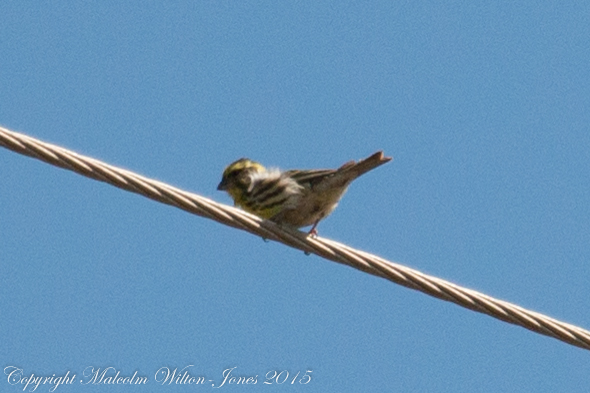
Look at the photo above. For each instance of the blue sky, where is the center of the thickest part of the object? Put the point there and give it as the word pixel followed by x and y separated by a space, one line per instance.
pixel 484 107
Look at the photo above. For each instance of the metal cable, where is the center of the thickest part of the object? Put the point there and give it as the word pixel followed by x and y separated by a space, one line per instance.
pixel 325 248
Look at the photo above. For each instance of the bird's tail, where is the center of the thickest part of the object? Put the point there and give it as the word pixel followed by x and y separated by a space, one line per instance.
pixel 363 166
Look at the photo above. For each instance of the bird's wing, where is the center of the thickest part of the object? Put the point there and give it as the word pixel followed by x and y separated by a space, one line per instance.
pixel 309 177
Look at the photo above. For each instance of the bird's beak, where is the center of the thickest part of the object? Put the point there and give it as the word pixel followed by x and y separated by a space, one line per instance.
pixel 222 186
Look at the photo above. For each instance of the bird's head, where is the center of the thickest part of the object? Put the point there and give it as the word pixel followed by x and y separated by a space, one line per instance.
pixel 237 177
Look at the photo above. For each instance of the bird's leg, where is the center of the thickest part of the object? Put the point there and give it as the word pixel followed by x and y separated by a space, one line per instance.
pixel 313 232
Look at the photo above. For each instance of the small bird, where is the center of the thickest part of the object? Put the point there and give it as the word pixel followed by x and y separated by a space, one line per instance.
pixel 297 198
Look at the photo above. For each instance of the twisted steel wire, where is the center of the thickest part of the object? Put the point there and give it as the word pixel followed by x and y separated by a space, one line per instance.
pixel 324 248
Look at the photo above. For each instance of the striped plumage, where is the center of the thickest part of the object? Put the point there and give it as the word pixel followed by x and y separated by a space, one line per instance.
pixel 297 198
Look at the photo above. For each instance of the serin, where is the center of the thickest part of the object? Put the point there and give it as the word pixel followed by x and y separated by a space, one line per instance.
pixel 297 198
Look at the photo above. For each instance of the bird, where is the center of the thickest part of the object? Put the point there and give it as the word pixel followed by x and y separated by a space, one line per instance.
pixel 296 198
